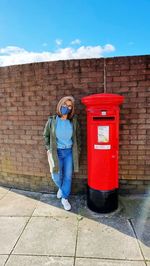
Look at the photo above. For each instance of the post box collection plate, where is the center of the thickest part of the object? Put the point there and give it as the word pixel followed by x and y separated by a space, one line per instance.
pixel 103 133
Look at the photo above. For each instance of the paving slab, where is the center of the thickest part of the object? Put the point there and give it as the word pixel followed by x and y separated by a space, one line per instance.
pixel 17 260
pixel 142 229
pixel 99 262
pixel 30 194
pixel 53 236
pixel 49 205
pixel 10 230
pixel 1 196
pixel 15 204
pixel 4 190
pixel 3 258
pixel 135 206
pixel 48 236
pixel 108 238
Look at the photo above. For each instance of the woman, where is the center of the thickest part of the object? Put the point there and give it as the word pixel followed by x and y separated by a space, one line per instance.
pixel 62 141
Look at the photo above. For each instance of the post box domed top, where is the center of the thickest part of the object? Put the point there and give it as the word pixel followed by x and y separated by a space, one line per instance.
pixel 102 99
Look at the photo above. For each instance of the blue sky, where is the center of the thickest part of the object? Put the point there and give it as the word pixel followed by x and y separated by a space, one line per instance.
pixel 42 30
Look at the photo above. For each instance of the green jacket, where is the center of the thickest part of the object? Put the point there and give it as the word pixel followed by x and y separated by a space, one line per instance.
pixel 51 146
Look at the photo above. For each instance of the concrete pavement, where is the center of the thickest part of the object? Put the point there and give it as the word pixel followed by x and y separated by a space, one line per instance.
pixel 36 230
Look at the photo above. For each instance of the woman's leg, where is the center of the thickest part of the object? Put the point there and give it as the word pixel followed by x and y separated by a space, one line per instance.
pixel 67 173
pixel 58 176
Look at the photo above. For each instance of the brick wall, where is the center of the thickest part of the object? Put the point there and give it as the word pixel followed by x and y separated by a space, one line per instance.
pixel 30 92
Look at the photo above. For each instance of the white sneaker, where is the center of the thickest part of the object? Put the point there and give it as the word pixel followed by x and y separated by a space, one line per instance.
pixel 66 204
pixel 59 194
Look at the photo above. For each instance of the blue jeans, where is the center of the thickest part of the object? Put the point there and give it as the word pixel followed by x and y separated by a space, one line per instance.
pixel 63 178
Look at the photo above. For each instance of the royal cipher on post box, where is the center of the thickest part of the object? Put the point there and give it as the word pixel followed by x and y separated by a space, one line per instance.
pixel 102 150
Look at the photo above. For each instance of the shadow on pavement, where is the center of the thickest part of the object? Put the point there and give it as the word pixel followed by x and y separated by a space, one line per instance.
pixel 132 217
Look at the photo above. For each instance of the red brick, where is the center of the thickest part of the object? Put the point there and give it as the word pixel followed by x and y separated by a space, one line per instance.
pixel 121 78
pixel 144 83
pixel 31 96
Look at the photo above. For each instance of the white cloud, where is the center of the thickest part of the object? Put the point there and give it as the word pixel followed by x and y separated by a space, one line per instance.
pixel 76 41
pixel 109 48
pixel 58 41
pixel 12 55
pixel 12 50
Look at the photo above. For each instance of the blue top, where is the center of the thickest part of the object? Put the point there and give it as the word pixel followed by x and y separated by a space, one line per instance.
pixel 64 132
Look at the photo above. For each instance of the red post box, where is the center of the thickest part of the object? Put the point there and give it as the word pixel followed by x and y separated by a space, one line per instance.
pixel 102 149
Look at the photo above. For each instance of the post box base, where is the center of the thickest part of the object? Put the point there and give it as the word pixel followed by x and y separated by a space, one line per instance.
pixel 102 201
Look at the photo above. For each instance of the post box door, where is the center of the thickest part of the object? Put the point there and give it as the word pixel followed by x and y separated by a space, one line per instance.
pixel 103 153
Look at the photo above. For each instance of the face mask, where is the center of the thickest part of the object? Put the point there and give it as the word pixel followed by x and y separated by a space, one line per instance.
pixel 65 110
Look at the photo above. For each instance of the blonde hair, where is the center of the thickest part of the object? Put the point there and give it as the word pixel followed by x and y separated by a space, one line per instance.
pixel 61 102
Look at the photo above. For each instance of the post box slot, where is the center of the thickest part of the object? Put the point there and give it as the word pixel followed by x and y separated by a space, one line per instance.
pixel 104 118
